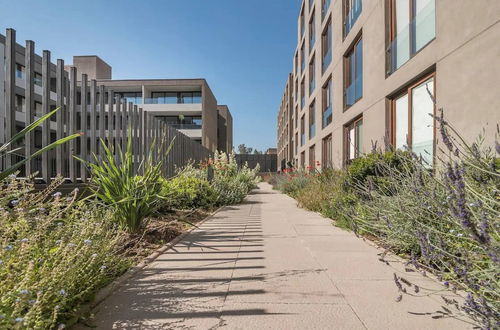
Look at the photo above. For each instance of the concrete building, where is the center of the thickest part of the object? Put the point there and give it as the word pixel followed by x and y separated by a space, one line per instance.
pixel 186 104
pixel 364 72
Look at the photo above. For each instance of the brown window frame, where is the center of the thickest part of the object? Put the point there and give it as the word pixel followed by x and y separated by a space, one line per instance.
pixel 407 90
pixel 347 128
pixel 324 43
pixel 312 30
pixel 347 74
pixel 312 160
pixel 312 118
pixel 312 73
pixel 324 93
pixel 327 152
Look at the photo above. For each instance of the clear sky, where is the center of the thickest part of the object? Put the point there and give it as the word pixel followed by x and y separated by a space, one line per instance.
pixel 244 48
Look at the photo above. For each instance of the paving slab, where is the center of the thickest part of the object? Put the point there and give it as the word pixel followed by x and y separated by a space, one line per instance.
pixel 267 264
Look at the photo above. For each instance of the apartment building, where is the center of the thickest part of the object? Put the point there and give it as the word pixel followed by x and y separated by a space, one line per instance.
pixel 186 104
pixel 370 71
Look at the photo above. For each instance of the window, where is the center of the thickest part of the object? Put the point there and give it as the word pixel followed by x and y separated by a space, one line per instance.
pixel 302 58
pixel 296 116
pixel 326 46
pixel 296 63
pixel 325 4
pixel 38 108
pixel 411 122
pixel 302 23
pixel 302 94
pixel 353 74
pixel 174 98
pixel 311 3
pixel 20 103
pixel 302 131
pixel 312 73
pixel 296 142
pixel 312 32
pixel 352 10
pixel 303 159
pixel 37 79
pixel 20 71
pixel 327 95
pixel 412 26
pixel 296 89
pixel 353 137
pixel 312 120
pixel 182 122
pixel 312 157
pixel 134 97
pixel 326 155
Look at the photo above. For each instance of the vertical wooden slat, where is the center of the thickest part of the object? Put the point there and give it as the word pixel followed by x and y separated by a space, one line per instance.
pixel 46 164
pixel 142 139
pixel 10 90
pixel 124 124
pixel 135 126
pixel 93 117
pixel 83 127
pixel 102 118
pixel 29 91
pixel 110 128
pixel 59 114
pixel 72 123
pixel 118 126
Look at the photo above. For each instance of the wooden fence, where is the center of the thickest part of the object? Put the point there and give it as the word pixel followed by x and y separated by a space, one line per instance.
pixel 267 162
pixel 85 107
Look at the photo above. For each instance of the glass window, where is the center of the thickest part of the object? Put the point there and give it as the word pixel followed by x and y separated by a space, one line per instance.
pixel 312 157
pixel 20 71
pixel 302 59
pixel 20 103
pixel 302 131
pixel 412 25
pixel 327 103
pixel 312 120
pixel 326 46
pixel 353 74
pixel 37 79
pixel 413 125
pixel 197 97
pixel 302 23
pixel 325 4
pixel 353 138
pixel 352 10
pixel 312 32
pixel 326 158
pixel 312 73
pixel 302 94
pixel 186 97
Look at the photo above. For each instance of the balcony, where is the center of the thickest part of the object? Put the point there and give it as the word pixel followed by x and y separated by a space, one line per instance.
pixel 324 8
pixel 184 126
pixel 327 59
pixel 354 92
pixel 166 100
pixel 412 38
pixel 352 16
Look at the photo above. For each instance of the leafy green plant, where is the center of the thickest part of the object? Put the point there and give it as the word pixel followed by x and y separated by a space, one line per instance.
pixel 115 184
pixel 6 148
pixel 184 192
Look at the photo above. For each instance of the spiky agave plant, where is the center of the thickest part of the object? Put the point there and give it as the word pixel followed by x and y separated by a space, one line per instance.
pixel 115 184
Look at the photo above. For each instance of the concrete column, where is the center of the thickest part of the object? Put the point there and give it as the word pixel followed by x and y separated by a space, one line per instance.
pixel 83 126
pixel 93 118
pixel 29 62
pixel 59 114
pixel 46 164
pixel 10 90
pixel 72 123
pixel 102 118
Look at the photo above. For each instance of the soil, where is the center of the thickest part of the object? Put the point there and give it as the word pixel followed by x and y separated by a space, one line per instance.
pixel 158 231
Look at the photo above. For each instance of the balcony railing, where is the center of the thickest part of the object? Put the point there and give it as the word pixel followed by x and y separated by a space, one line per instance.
pixel 354 92
pixel 160 100
pixel 324 9
pixel 327 59
pixel 184 126
pixel 352 16
pixel 327 116
pixel 412 38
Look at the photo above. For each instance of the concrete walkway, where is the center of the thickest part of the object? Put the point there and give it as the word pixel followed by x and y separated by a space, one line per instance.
pixel 267 264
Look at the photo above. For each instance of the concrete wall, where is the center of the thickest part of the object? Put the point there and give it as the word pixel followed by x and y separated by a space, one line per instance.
pixel 225 129
pixel 93 66
pixel 464 56
pixel 209 116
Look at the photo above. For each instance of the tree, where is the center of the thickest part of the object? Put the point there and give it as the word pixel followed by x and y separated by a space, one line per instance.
pixel 244 150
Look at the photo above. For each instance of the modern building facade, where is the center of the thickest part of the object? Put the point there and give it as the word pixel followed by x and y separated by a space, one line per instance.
pixel 186 104
pixel 368 72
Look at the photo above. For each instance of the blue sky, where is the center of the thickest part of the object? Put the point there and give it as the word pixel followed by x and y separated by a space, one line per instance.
pixel 243 48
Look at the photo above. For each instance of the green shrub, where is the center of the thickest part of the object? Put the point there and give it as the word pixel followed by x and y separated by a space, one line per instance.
pixel 229 190
pixel 55 253
pixel 183 192
pixel 132 198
